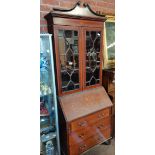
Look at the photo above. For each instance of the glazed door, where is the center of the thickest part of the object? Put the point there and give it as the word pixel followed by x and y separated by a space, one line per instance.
pixel 93 57
pixel 67 54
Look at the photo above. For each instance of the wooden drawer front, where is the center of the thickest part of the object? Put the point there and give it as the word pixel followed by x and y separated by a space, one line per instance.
pixel 80 135
pixel 79 148
pixel 88 120
pixel 102 124
pixel 104 134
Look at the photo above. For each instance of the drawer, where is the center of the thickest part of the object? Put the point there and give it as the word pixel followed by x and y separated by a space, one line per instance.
pixel 81 147
pixel 90 142
pixel 81 135
pixel 88 120
pixel 104 134
pixel 102 124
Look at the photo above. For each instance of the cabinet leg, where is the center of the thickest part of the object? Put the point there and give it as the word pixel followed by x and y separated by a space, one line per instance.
pixel 108 142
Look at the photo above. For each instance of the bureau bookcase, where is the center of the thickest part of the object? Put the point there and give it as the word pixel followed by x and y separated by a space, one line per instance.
pixel 84 106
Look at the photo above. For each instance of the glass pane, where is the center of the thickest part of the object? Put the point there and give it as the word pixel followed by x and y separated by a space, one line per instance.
pixel 69 59
pixel 93 41
pixel 110 37
pixel 45 67
pixel 47 108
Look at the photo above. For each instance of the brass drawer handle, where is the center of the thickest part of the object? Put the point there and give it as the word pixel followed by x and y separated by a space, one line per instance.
pixel 84 123
pixel 101 115
pixel 82 135
pixel 83 147
pixel 100 126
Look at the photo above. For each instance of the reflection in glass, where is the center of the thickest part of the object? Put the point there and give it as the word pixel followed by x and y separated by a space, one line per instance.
pixel 93 39
pixel 45 67
pixel 110 38
pixel 69 59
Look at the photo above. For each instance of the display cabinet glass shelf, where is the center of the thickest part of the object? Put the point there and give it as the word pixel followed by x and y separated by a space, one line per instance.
pixel 49 129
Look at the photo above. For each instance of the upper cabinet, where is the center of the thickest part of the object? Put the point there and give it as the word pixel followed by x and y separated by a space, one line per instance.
pixel 78 44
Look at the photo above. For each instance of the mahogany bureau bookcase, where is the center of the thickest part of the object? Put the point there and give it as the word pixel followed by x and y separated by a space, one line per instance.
pixel 84 106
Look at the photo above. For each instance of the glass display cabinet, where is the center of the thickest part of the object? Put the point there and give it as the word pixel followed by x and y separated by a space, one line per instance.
pixel 49 129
